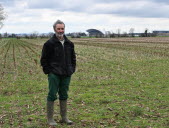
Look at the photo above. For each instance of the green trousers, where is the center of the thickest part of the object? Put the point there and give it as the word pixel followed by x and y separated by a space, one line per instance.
pixel 58 85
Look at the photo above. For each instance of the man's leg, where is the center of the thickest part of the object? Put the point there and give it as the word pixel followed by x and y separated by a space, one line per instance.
pixel 63 96
pixel 53 81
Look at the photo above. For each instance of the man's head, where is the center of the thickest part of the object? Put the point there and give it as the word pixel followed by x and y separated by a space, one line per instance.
pixel 59 28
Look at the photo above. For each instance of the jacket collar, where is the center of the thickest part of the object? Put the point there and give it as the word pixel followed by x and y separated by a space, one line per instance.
pixel 57 40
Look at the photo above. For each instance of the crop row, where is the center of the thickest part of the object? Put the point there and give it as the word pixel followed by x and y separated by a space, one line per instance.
pixel 157 48
pixel 14 52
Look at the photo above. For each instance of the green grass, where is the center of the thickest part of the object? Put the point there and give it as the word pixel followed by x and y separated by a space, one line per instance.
pixel 117 84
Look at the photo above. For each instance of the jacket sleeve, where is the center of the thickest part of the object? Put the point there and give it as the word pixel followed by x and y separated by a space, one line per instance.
pixel 73 58
pixel 45 59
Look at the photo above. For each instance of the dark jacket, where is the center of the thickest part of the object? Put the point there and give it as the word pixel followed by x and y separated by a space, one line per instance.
pixel 58 59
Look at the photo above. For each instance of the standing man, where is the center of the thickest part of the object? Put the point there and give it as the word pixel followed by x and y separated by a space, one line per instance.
pixel 59 62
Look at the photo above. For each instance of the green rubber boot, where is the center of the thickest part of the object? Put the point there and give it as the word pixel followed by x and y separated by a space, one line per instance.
pixel 63 112
pixel 50 111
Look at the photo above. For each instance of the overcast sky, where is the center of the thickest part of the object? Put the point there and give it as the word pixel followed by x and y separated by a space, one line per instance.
pixel 27 16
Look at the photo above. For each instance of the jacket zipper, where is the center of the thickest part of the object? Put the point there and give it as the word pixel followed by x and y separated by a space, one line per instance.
pixel 64 58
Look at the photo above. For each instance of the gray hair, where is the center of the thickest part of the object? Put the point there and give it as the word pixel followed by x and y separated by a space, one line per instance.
pixel 58 22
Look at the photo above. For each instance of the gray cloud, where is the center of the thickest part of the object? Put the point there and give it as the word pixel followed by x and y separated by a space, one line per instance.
pixel 133 9
pixel 161 1
pixel 129 8
pixel 7 2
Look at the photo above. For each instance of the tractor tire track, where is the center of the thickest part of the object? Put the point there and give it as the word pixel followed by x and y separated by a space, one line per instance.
pixel 27 52
pixel 5 59
pixel 3 48
pixel 9 44
pixel 14 59
pixel 29 45
pixel 3 43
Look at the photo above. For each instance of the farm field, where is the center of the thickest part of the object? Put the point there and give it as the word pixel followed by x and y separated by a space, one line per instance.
pixel 119 83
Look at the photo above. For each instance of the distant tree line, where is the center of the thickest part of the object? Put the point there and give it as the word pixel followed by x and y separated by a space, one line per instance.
pixel 33 35
pixel 107 34
pixel 131 33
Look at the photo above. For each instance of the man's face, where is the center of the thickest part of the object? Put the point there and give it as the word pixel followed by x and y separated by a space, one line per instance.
pixel 60 29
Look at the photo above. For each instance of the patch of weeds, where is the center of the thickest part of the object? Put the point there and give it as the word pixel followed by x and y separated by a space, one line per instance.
pixel 105 101
pixel 137 111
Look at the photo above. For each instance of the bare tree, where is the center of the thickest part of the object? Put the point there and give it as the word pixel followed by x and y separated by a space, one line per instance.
pixel 131 32
pixel 146 32
pixel 107 34
pixel 2 16
pixel 50 34
pixel 118 32
pixel 6 34
pixel 34 35
pixel 124 34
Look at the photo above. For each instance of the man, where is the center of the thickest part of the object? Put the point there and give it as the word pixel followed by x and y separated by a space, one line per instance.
pixel 59 62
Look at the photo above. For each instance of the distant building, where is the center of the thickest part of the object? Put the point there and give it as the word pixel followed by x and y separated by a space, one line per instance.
pixel 95 33
pixel 161 33
pixel 76 34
